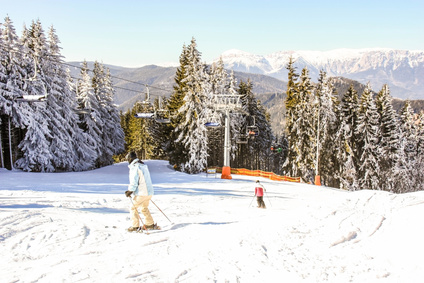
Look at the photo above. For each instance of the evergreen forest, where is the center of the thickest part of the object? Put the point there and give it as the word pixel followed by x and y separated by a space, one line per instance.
pixel 49 121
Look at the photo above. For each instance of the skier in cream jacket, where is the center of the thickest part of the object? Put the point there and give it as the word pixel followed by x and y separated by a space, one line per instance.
pixel 141 187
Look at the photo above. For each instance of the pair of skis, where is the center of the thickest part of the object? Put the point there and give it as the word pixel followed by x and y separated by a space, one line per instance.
pixel 140 230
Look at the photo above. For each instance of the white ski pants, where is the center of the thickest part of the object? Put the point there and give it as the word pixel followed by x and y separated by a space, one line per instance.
pixel 143 203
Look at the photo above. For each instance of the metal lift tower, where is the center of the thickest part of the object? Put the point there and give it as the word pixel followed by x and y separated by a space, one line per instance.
pixel 227 103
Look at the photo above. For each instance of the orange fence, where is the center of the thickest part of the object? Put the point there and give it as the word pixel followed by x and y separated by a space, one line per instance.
pixel 259 173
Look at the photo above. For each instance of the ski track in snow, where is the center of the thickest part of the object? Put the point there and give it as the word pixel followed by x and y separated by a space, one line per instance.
pixel 306 234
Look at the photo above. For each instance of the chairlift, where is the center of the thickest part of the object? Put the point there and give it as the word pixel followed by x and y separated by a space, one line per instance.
pixel 148 109
pixel 83 111
pixel 242 138
pixel 213 121
pixel 162 115
pixel 144 115
pixel 37 84
pixel 212 124
pixel 32 98
pixel 253 130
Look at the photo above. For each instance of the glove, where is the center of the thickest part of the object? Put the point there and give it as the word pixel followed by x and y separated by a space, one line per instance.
pixel 128 193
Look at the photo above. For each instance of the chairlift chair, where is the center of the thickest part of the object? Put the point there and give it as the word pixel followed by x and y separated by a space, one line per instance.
pixel 162 116
pixel 212 124
pixel 242 138
pixel 144 115
pixel 32 98
pixel 148 109
pixel 82 111
pixel 253 130
pixel 213 121
pixel 38 84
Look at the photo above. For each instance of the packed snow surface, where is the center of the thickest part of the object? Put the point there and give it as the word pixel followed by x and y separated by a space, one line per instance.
pixel 71 227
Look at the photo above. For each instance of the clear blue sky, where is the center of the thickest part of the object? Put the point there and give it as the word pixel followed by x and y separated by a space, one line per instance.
pixel 136 33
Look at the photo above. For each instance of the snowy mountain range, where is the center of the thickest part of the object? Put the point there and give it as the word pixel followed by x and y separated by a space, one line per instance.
pixel 402 70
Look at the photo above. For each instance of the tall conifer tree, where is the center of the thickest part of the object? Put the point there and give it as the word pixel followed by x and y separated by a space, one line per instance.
pixel 192 132
pixel 327 125
pixel 389 139
pixel 368 131
pixel 13 115
pixel 36 143
pixel 346 140
pixel 60 104
pixel 407 150
pixel 89 121
pixel 292 100
pixel 305 144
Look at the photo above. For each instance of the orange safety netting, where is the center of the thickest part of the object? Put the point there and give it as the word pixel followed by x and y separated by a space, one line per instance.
pixel 259 173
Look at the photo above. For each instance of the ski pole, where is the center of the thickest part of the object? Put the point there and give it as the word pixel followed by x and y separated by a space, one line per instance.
pixel 139 217
pixel 161 211
pixel 252 201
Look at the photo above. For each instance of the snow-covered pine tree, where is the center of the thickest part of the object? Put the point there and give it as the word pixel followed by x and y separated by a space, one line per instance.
pixel 418 171
pixel 111 137
pixel 192 132
pixel 389 139
pixel 327 103
pixel 305 126
pixel 405 181
pixel 218 78
pixel 116 135
pixel 90 122
pixel 36 144
pixel 290 167
pixel 346 140
pixel 60 105
pixel 83 143
pixel 13 115
pixel 100 107
pixel 368 132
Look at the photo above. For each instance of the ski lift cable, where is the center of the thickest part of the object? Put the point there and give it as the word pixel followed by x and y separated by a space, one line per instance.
pixel 75 66
pixel 119 78
pixel 119 87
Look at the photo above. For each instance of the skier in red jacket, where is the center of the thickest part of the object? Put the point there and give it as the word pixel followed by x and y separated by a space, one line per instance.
pixel 259 193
